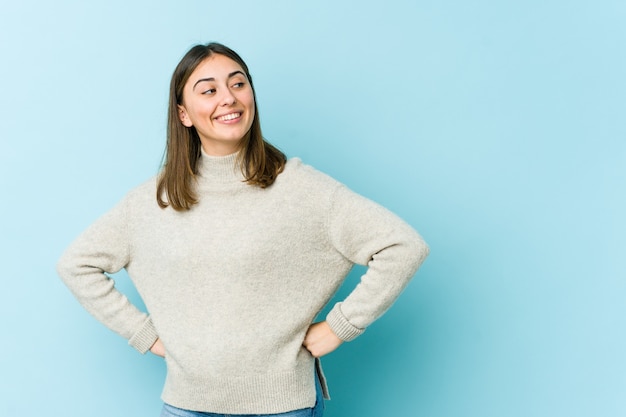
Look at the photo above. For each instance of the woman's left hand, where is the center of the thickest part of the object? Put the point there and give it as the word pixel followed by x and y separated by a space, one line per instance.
pixel 158 348
pixel 320 339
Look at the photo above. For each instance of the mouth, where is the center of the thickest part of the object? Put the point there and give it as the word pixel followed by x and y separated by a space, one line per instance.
pixel 229 117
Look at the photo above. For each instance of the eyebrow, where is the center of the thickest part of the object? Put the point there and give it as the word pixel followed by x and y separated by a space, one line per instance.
pixel 232 74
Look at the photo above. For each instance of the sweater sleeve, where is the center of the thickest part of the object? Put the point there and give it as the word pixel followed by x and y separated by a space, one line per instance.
pixel 368 234
pixel 100 250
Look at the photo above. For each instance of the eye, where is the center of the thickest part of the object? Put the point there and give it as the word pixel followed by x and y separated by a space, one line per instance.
pixel 238 85
pixel 209 91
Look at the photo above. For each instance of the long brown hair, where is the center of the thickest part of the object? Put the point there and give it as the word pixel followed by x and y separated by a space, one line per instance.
pixel 260 162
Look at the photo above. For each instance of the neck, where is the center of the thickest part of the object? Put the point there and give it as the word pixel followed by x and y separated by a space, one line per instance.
pixel 222 147
pixel 219 168
pixel 219 149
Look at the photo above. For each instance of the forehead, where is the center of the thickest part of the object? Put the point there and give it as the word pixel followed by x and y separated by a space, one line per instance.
pixel 216 66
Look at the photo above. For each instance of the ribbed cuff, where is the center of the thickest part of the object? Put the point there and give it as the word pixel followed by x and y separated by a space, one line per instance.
pixel 341 326
pixel 145 337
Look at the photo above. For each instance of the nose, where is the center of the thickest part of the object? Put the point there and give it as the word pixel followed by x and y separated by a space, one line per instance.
pixel 228 99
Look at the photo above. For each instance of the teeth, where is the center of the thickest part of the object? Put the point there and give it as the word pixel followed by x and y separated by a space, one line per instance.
pixel 229 116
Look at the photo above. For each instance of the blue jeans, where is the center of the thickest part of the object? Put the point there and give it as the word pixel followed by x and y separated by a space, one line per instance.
pixel 316 411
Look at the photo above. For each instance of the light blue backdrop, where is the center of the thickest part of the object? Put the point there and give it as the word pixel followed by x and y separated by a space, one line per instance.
pixel 496 128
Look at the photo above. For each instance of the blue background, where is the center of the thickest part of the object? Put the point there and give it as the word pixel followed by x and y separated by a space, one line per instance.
pixel 496 129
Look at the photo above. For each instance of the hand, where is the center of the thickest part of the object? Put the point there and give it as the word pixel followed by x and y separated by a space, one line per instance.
pixel 158 348
pixel 320 339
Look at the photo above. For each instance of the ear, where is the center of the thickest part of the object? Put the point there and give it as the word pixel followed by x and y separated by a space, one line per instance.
pixel 183 116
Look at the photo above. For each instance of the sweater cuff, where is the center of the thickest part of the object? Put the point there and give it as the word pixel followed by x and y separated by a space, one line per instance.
pixel 341 326
pixel 145 337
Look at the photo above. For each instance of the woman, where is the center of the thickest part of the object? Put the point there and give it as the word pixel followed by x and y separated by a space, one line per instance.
pixel 235 250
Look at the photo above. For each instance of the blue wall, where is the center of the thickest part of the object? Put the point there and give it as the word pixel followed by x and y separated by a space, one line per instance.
pixel 497 129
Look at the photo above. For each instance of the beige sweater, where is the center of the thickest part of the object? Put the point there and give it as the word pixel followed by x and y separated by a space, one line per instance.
pixel 232 285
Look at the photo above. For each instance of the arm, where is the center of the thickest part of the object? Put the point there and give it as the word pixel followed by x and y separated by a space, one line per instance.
pixel 368 234
pixel 104 248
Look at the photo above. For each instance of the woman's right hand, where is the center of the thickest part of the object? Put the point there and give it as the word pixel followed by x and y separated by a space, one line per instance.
pixel 158 348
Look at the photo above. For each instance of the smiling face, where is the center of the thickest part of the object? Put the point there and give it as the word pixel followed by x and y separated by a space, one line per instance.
pixel 219 102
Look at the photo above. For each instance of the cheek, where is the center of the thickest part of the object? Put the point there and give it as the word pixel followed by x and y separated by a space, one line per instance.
pixel 247 100
pixel 252 107
pixel 250 104
pixel 199 109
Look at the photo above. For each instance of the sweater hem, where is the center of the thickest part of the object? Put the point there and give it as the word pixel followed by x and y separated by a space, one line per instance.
pixel 270 393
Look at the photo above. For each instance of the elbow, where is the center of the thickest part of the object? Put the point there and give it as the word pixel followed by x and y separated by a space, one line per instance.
pixel 65 267
pixel 62 268
pixel 419 251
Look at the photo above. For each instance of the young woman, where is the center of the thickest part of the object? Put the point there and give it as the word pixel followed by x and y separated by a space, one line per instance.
pixel 235 250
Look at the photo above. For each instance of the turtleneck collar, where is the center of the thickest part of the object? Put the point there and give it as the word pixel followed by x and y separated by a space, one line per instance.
pixel 219 169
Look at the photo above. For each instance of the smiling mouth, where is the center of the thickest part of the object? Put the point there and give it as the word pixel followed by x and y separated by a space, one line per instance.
pixel 230 116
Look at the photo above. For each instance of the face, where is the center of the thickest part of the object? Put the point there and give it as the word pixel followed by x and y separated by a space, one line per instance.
pixel 218 101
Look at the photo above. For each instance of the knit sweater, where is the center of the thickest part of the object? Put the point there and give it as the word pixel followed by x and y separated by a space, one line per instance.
pixel 232 285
